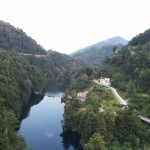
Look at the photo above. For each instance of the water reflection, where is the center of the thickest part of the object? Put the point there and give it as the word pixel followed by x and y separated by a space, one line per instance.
pixel 71 140
pixel 34 100
pixel 54 90
pixel 41 124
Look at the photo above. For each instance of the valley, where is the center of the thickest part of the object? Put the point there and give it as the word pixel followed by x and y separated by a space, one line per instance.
pixel 90 112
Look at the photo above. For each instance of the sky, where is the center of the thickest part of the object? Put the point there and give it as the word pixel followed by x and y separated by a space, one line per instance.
pixel 69 25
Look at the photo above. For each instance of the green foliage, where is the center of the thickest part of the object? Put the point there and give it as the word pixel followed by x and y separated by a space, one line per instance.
pixel 80 78
pixel 130 73
pixel 96 142
pixel 17 80
pixel 129 129
pixel 95 54
pixel 121 128
pixel 118 80
pixel 131 89
pixel 9 140
pixel 144 78
pixel 86 118
pixel 85 77
pixel 141 38
pixel 132 63
pixel 17 40
pixel 24 68
pixel 55 66
pixel 141 104
pixel 93 100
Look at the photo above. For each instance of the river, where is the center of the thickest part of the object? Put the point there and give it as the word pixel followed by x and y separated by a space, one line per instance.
pixel 41 123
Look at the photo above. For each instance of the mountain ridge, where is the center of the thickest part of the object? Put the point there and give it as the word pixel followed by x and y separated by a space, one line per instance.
pixel 93 55
pixel 113 41
pixel 15 39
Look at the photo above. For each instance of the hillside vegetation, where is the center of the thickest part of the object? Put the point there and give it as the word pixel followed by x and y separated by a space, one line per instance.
pixel 99 119
pixel 95 54
pixel 55 66
pixel 16 39
pixel 130 64
pixel 17 81
pixel 25 67
pixel 130 72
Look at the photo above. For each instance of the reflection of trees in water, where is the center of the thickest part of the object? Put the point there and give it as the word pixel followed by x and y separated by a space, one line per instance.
pixel 71 138
pixel 53 87
pixel 34 100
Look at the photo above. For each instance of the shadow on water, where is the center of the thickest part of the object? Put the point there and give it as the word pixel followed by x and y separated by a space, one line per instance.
pixel 51 91
pixel 34 100
pixel 71 139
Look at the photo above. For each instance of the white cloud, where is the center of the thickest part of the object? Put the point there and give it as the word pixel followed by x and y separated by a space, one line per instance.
pixel 49 135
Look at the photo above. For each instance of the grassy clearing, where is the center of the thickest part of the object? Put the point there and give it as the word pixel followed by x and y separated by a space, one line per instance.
pixel 110 103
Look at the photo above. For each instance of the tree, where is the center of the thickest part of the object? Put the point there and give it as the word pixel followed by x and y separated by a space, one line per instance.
pixel 85 77
pixel 94 74
pixel 9 140
pixel 115 48
pixel 145 80
pixel 96 142
pixel 131 90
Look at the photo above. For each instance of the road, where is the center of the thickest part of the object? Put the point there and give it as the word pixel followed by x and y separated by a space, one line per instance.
pixel 115 93
pixel 118 97
pixel 122 101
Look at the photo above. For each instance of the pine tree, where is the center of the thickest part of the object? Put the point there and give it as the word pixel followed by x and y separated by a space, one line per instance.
pixel 131 90
pixel 96 142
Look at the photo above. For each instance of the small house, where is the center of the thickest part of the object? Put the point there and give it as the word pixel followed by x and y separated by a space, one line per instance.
pixel 104 81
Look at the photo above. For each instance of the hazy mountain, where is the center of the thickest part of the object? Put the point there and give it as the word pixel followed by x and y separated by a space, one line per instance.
pixel 94 54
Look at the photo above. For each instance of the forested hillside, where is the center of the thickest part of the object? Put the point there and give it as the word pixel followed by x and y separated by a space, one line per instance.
pixel 25 67
pixel 99 118
pixel 55 66
pixel 95 54
pixel 17 40
pixel 131 64
pixel 18 79
pixel 129 70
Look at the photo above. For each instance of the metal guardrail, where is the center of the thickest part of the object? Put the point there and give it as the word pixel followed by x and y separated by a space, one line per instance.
pixel 144 118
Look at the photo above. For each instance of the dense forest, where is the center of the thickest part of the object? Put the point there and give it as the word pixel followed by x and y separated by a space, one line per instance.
pixel 12 38
pixel 17 82
pixel 131 64
pixel 55 66
pixel 100 119
pixel 94 55
pixel 25 68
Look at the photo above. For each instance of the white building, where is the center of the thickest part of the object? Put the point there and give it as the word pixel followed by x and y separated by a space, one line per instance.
pixel 104 81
